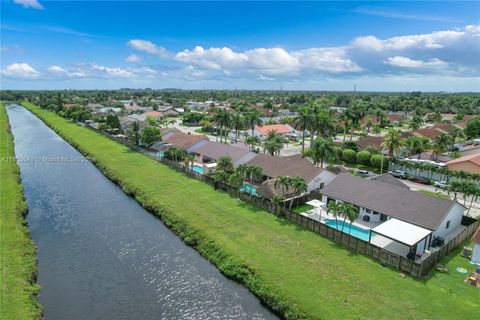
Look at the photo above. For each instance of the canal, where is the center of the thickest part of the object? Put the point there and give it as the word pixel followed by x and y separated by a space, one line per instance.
pixel 100 254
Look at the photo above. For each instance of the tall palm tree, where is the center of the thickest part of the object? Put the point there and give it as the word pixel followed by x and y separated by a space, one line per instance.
pixel 254 173
pixel 252 141
pixel 392 142
pixel 299 186
pixel 188 161
pixel 440 144
pixel 252 119
pixel 416 145
pixel 333 207
pixel 415 123
pixel 273 143
pixel 283 183
pixel 350 212
pixel 237 123
pixel 225 164
pixel 302 120
pixel 323 149
pixel 325 124
pixel 222 121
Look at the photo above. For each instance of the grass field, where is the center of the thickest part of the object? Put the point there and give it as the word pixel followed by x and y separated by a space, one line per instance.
pixel 294 271
pixel 435 194
pixel 18 290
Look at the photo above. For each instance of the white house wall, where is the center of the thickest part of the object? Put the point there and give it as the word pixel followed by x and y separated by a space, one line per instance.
pixel 455 217
pixel 476 253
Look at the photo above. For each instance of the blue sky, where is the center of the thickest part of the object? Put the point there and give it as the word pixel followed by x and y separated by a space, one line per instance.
pixel 379 46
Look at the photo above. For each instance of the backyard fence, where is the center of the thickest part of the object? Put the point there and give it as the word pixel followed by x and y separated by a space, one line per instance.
pixel 383 256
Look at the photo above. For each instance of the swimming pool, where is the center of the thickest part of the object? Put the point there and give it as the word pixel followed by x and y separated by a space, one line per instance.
pixel 248 188
pixel 197 168
pixel 357 232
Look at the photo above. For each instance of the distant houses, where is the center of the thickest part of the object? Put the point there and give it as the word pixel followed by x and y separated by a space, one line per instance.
pixel 283 129
pixel 470 164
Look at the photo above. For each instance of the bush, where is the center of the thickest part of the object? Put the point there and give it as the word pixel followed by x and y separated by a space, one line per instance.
pixel 350 145
pixel 363 157
pixel 376 161
pixel 349 155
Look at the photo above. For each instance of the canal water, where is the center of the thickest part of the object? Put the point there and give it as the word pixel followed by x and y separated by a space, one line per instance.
pixel 100 254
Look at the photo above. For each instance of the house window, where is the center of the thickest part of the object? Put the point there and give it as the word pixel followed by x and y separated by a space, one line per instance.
pixel 375 212
pixel 368 211
pixel 448 224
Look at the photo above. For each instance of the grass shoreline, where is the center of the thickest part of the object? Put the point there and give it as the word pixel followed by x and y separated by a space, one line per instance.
pixel 18 290
pixel 293 271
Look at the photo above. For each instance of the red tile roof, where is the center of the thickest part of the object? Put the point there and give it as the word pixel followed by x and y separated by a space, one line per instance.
pixel 279 128
pixel 430 133
pixel 154 114
pixel 474 158
pixel 182 140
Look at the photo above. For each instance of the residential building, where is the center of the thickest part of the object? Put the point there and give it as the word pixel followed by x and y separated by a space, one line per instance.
pixel 476 246
pixel 209 152
pixel 470 164
pixel 274 167
pixel 283 129
pixel 403 221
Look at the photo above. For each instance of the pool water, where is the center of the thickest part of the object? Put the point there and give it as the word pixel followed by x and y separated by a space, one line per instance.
pixel 355 231
pixel 248 188
pixel 197 168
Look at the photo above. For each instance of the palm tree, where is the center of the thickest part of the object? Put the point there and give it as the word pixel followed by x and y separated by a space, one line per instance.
pixel 222 121
pixel 321 150
pixel 273 143
pixel 252 141
pixel 415 123
pixel 333 207
pixel 283 183
pixel 254 172
pixel 188 161
pixel 175 154
pixel 237 123
pixel 225 164
pixel 392 141
pixel 416 145
pixel 299 186
pixel 235 180
pixel 349 212
pixel 369 124
pixel 252 119
pixel 440 144
pixel 456 133
pixel 302 120
pixel 474 194
pixel 325 124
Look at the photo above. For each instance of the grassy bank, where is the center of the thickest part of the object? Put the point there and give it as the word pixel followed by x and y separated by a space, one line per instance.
pixel 294 271
pixel 18 291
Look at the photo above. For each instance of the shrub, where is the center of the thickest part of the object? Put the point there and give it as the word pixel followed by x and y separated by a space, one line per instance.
pixel 349 155
pixel 350 145
pixel 376 161
pixel 363 157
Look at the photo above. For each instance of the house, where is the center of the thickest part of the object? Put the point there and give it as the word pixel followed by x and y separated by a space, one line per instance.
pixel 283 129
pixel 470 164
pixel 182 140
pixel 154 114
pixel 476 246
pixel 388 178
pixel 376 142
pixel 274 167
pixel 395 118
pixel 209 152
pixel 403 221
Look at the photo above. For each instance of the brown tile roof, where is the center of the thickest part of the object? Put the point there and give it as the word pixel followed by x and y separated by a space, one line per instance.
pixel 476 236
pixel 299 158
pixel 182 140
pixel 430 133
pixel 395 117
pixel 275 166
pixel 474 158
pixel 376 142
pixel 397 202
pixel 445 127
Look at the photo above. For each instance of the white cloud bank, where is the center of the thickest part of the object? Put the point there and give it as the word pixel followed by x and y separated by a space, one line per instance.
pixel 133 58
pixel 19 70
pixel 29 4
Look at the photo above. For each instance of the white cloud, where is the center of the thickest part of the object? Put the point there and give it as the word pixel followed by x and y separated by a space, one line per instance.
pixel 148 47
pixel 133 58
pixel 405 62
pixel 19 70
pixel 75 73
pixel 113 71
pixel 333 60
pixel 29 4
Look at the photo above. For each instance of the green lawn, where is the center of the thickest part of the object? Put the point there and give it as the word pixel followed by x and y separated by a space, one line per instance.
pixel 18 290
pixel 302 208
pixel 293 270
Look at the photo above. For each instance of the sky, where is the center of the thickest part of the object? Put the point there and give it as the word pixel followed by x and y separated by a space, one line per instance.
pixel 377 46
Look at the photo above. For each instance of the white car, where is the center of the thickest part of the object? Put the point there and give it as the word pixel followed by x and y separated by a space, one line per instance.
pixel 441 184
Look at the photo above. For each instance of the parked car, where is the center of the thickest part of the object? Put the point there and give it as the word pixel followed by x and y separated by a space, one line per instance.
pixel 441 184
pixel 363 173
pixel 398 174
pixel 421 180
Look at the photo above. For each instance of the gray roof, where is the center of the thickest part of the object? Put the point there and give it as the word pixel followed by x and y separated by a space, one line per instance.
pixel 397 202
pixel 274 167
pixel 388 178
pixel 215 150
